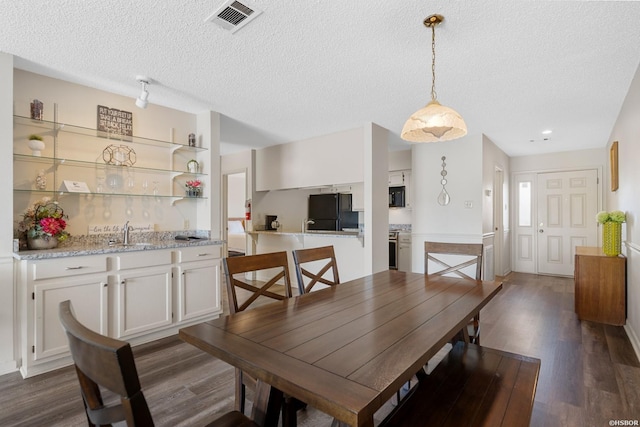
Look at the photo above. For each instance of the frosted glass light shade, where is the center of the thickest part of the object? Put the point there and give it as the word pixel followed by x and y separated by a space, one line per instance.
pixel 434 123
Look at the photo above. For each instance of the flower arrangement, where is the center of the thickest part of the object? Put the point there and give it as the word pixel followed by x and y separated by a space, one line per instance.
pixel 45 219
pixel 195 183
pixel 613 216
pixel 194 188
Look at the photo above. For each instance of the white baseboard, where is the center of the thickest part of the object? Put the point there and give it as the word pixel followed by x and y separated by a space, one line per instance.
pixel 633 337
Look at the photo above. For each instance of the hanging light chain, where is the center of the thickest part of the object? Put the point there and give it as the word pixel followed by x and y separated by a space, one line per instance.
pixel 434 95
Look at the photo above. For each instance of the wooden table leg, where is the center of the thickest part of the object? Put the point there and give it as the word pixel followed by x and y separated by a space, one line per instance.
pixel 267 404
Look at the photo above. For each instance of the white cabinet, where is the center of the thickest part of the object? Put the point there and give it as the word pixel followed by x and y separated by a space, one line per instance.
pixel 43 285
pixel 143 292
pixel 396 178
pixel 402 178
pixel 133 296
pixel 404 251
pixel 198 282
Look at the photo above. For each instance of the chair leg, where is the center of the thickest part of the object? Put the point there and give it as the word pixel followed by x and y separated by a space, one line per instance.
pixel 240 392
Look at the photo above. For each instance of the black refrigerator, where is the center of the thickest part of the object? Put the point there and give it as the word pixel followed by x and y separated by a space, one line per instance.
pixel 331 212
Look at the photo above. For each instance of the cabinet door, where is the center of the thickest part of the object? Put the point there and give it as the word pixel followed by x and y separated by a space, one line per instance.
pixel 198 289
pixel 143 300
pixel 404 252
pixel 89 300
pixel 396 178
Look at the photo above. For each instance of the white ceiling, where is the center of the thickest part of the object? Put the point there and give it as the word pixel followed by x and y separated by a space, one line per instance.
pixel 307 68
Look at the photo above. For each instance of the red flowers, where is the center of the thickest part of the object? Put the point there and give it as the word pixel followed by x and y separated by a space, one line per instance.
pixel 45 218
pixel 194 183
pixel 53 226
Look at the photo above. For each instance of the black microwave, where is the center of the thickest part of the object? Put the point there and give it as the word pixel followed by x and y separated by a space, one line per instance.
pixel 396 197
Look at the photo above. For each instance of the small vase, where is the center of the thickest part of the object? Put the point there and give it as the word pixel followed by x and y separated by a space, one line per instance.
pixel 612 238
pixel 36 147
pixel 44 242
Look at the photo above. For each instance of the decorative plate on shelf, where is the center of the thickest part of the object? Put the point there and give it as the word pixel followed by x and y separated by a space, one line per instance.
pixel 119 155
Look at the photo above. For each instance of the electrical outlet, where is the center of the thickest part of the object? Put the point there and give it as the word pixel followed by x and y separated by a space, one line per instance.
pixel 468 204
pixel 186 224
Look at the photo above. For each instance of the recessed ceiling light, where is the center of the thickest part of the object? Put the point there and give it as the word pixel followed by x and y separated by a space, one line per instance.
pixel 547 132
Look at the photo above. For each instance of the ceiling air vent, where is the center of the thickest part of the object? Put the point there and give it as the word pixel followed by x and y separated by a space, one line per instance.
pixel 233 15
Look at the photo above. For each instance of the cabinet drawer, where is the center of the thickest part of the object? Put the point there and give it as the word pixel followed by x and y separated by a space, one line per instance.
pixel 68 267
pixel 198 253
pixel 142 259
pixel 404 238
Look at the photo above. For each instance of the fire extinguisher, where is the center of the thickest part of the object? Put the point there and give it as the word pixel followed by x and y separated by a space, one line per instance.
pixel 247 210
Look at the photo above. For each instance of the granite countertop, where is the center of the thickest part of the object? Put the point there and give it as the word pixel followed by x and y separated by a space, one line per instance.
pixel 79 249
pixel 318 233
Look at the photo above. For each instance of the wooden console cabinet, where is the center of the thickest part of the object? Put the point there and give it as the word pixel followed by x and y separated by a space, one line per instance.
pixel 600 286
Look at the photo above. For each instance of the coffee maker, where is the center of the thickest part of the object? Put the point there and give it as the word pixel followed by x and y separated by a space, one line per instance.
pixel 270 221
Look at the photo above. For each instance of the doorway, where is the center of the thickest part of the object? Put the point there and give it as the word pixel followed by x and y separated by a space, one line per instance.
pixel 554 213
pixel 234 189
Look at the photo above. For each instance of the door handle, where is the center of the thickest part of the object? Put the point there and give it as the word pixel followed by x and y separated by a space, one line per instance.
pixel 540 231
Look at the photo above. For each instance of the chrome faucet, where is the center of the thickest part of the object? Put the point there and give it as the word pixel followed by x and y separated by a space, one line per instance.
pixel 306 222
pixel 125 238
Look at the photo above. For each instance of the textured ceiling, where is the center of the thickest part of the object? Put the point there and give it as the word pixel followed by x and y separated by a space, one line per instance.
pixel 306 68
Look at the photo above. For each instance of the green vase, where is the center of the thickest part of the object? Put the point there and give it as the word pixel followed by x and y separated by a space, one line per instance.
pixel 612 238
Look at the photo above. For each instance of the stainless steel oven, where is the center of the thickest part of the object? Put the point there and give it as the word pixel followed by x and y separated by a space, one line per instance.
pixel 393 250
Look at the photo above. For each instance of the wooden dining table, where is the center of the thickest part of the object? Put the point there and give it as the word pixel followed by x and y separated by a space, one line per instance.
pixel 347 349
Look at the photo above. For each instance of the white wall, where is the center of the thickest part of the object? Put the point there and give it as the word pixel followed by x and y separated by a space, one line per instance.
pixel 291 207
pixel 236 195
pixel 325 160
pixel 592 158
pixel 454 222
pixel 627 131
pixel 494 158
pixel 400 160
pixel 7 302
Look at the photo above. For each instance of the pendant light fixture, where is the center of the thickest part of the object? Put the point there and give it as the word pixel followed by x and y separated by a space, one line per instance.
pixel 434 122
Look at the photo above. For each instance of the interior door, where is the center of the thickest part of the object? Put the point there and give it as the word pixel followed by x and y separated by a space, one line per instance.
pixel 567 204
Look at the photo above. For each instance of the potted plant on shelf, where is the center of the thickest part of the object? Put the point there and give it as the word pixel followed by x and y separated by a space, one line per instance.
pixel 36 144
pixel 611 231
pixel 44 225
pixel 194 188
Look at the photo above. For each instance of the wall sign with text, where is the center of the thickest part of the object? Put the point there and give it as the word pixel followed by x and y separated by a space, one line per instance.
pixel 114 123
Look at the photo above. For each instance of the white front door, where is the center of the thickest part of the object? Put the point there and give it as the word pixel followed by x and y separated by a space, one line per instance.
pixel 567 205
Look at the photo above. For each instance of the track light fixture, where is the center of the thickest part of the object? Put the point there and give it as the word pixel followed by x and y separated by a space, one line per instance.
pixel 141 101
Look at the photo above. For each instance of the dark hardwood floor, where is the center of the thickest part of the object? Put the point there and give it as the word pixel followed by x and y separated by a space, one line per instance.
pixel 589 373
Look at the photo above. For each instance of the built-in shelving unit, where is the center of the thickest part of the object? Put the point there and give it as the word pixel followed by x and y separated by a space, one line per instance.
pixel 157 168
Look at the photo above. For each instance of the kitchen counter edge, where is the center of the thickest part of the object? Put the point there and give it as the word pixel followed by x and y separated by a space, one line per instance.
pixel 97 249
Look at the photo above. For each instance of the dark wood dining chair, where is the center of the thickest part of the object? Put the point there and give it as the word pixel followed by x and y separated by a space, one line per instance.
pixel 104 362
pixel 453 258
pixel 325 264
pixel 275 269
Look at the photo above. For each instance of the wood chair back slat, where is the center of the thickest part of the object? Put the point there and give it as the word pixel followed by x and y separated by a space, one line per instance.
pixel 304 256
pixel 434 252
pixel 241 265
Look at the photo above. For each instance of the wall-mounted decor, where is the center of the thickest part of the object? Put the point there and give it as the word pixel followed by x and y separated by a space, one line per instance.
pixel 443 197
pixel 119 155
pixel 114 123
pixel 613 165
